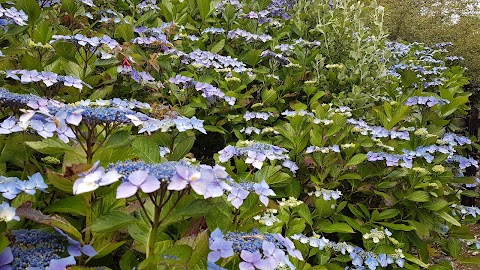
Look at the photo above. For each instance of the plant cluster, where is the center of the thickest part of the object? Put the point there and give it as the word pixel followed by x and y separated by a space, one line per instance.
pixel 227 134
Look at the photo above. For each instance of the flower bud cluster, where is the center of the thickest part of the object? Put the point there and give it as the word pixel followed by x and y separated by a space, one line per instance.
pixel 324 150
pixel 36 248
pixel 268 218
pixel 290 203
pixel 326 194
pixel 377 235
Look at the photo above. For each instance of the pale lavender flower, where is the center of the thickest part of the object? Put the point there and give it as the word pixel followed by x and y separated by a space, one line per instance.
pixel 61 264
pixel 273 255
pixel 6 257
pixel 220 247
pixel 44 129
pixel 49 78
pixel 183 124
pixel 30 76
pixel 9 125
pixel 94 178
pixel 255 158
pixel 9 187
pixel 263 190
pixel 71 81
pixel 252 261
pixel 138 179
pixel 7 213
pixel 187 176
pixel 236 196
pixel 214 186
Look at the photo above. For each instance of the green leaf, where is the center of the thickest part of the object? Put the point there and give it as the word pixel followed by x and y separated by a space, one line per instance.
pixel 435 204
pixel 304 213
pixel 182 148
pixel 4 242
pixel 336 228
pixel 357 159
pixel 295 226
pixel 418 196
pixel 124 31
pixel 408 78
pixel 108 249
pixel 50 146
pixel 454 247
pixel 60 182
pixel 217 47
pixel 203 8
pixel 389 213
pixel 471 260
pixel 25 210
pixel 386 185
pixel 66 50
pixel 128 261
pixel 112 221
pixel 415 260
pixel 269 96
pixel 118 139
pixel 398 227
pixel 449 218
pixel 70 6
pixel 350 176
pixel 146 149
pixel 31 8
pixel 75 205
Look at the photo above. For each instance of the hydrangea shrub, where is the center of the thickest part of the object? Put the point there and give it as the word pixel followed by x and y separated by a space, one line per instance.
pixel 227 134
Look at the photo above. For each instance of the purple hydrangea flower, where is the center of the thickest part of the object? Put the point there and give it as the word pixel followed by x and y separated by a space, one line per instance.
pixel 220 247
pixel 9 125
pixel 187 176
pixel 6 257
pixel 263 190
pixel 61 264
pixel 236 196
pixel 138 180
pixel 252 261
